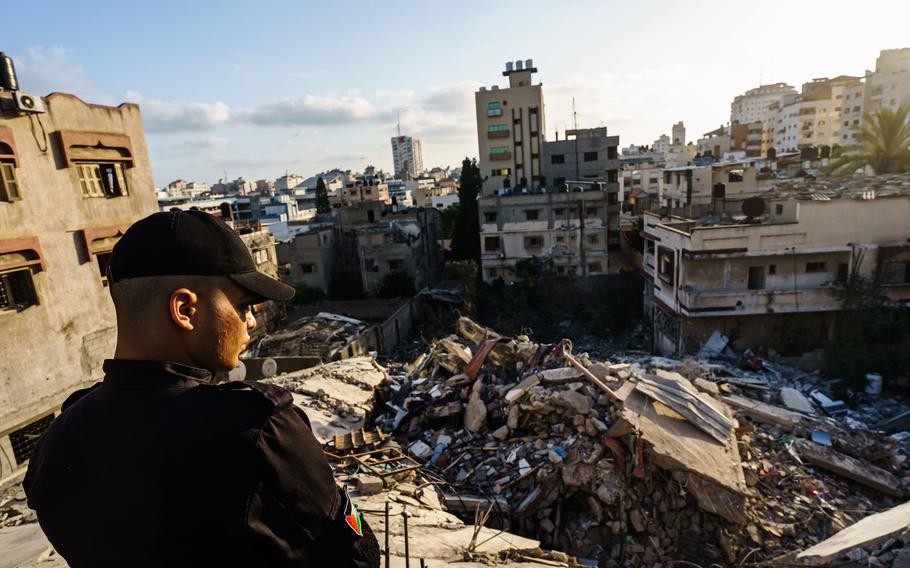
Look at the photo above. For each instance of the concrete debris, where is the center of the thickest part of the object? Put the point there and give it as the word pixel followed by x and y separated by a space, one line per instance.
pixel 866 534
pixel 638 461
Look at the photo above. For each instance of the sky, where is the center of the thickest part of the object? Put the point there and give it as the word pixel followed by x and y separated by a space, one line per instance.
pixel 261 89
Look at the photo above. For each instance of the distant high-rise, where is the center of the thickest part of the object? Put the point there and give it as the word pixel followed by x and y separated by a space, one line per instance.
pixel 407 157
pixel 759 104
pixel 679 134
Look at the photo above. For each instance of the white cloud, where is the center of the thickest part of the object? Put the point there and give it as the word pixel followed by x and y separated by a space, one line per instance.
pixel 309 110
pixel 43 70
pixel 173 116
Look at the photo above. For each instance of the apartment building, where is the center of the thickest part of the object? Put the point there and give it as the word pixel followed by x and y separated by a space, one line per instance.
pixel 814 117
pixel 74 177
pixel 768 277
pixel 759 104
pixel 511 129
pixel 365 189
pixel 717 187
pixel 591 155
pixel 889 85
pixel 288 182
pixel 723 141
pixel 569 228
pixel 261 244
pixel 308 257
pixel 407 157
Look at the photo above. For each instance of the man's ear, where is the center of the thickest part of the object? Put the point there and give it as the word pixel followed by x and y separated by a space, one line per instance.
pixel 182 308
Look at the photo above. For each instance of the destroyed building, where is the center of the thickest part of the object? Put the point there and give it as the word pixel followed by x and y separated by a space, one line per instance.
pixel 780 262
pixel 69 189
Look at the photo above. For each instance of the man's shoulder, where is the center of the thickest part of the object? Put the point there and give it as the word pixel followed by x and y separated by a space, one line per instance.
pixel 267 396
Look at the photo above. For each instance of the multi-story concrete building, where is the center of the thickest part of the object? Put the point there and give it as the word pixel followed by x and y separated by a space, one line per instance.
pixel 308 257
pixel 754 278
pixel 814 117
pixel 715 188
pixel 288 182
pixel 407 157
pixel 511 130
pixel 722 141
pixel 65 199
pixel 262 248
pixel 569 228
pixel 889 85
pixel 365 189
pixel 679 134
pixel 759 104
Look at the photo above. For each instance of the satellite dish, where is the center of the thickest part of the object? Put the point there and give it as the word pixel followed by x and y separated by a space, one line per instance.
pixel 269 368
pixel 754 207
pixel 238 373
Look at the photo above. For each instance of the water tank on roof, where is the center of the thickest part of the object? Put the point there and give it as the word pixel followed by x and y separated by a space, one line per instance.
pixel 8 80
pixel 494 88
pixel 518 65
pixel 509 65
pixel 529 63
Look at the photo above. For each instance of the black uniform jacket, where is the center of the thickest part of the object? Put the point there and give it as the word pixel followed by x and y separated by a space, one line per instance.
pixel 155 466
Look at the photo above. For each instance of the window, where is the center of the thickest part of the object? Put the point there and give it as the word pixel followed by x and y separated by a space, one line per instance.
pixel 560 238
pixel 308 268
pixel 756 277
pixel 101 180
pixel 501 172
pixel 594 267
pixel 490 217
pixel 9 185
pixel 612 198
pixel 534 242
pixel 491 243
pixel 592 239
pixel 665 263
pixel 815 267
pixel 26 438
pixel 17 291
pixel 591 211
pixel 261 256
pixel 532 214
pixel 104 266
pixel 772 269
pixel 590 156
pixel 395 264
pixel 370 265
pixel 498 128
pixel 558 159
pixel 499 150
pixel 778 208
pixel 494 109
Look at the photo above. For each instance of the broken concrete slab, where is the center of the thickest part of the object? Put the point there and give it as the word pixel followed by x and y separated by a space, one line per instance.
pixel 795 400
pixel 677 393
pixel 763 412
pixel 867 532
pixel 475 414
pixel 850 467
pixel 704 385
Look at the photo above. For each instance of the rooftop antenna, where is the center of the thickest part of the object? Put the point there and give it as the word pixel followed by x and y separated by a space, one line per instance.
pixel 399 123
pixel 575 126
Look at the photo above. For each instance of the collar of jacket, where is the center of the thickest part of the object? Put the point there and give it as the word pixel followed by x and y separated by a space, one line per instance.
pixel 135 374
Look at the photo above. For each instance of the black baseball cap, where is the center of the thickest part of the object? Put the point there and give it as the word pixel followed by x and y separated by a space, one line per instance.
pixel 191 242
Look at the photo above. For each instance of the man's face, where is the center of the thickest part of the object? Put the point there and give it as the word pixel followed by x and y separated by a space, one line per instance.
pixel 225 326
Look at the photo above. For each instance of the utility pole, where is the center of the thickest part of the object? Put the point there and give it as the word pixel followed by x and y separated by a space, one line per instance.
pixel 575 126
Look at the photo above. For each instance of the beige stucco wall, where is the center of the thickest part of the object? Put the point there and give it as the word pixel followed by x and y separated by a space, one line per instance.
pixel 53 348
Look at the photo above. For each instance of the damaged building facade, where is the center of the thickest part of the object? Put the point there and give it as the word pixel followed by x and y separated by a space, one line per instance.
pixel 65 200
pixel 773 272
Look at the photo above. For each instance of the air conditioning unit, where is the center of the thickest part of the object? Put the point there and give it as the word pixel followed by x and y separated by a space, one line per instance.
pixel 28 103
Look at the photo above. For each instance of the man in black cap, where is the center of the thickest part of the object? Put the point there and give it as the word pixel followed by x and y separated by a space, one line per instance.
pixel 158 466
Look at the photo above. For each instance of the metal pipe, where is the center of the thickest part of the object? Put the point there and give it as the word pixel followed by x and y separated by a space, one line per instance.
pixel 407 555
pixel 387 529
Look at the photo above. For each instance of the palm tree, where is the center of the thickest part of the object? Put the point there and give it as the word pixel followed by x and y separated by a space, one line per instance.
pixel 883 142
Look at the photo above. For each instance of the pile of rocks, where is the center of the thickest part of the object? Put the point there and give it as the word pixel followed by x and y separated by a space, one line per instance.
pixel 631 465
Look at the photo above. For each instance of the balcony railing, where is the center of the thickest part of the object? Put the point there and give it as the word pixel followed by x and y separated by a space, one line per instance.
pixel 501 157
pixel 765 301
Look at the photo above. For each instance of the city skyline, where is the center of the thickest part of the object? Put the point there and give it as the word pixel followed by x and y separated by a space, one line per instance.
pixel 263 106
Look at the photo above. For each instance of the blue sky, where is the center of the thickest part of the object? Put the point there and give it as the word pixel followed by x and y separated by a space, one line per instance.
pixel 259 88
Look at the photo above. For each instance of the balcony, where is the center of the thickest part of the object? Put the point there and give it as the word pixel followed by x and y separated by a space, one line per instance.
pixel 501 157
pixel 499 134
pixel 706 303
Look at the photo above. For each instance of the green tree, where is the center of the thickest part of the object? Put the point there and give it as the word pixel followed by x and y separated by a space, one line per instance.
pixel 449 219
pixel 322 197
pixel 466 238
pixel 883 142
pixel 307 295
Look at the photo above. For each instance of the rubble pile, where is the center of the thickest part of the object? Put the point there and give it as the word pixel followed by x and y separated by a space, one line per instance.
pixel 14 510
pixel 637 463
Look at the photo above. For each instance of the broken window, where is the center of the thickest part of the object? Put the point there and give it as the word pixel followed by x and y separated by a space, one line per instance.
pixel 26 438
pixel 815 267
pixel 308 268
pixel 665 264
pixel 9 184
pixel 491 243
pixel 534 242
pixel 104 266
pixel 896 272
pixel 17 291
pixel 101 179
pixel 532 214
